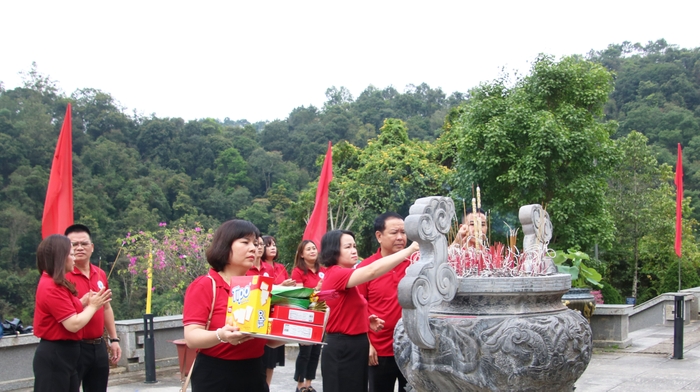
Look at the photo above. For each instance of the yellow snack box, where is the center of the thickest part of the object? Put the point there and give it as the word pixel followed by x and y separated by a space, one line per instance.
pixel 249 303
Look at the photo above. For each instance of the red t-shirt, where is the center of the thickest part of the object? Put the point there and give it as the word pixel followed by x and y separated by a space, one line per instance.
pixel 196 311
pixel 309 279
pixel 281 273
pixel 54 304
pixel 349 310
pixel 98 279
pixel 265 270
pixel 382 295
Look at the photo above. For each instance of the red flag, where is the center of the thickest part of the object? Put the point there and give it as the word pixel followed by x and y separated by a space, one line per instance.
pixel 318 222
pixel 679 201
pixel 58 208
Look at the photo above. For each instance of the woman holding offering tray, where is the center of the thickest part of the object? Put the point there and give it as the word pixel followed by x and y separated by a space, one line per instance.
pixel 307 273
pixel 228 360
pixel 344 361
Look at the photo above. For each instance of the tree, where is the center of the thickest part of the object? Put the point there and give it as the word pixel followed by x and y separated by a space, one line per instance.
pixel 541 141
pixel 637 187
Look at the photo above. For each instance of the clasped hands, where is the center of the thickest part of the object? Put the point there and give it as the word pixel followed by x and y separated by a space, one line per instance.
pixel 96 298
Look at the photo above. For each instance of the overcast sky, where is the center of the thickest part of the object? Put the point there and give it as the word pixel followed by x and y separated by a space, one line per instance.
pixel 258 60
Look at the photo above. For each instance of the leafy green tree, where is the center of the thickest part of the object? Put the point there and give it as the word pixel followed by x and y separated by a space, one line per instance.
pixel 231 169
pixel 637 186
pixel 541 141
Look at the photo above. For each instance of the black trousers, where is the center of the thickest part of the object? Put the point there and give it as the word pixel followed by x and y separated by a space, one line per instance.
pixel 93 367
pixel 344 363
pixel 221 375
pixel 56 366
pixel 307 362
pixel 383 377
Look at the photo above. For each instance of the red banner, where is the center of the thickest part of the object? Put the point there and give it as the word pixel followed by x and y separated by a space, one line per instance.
pixel 58 208
pixel 679 201
pixel 318 222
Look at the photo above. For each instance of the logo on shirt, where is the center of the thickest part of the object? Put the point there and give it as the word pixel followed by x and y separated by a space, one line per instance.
pixel 321 275
pixel 266 275
pixel 100 285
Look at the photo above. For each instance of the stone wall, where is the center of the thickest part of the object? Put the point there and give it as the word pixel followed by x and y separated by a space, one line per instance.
pixel 17 352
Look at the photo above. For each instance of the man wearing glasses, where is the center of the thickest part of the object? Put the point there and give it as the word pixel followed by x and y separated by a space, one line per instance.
pixel 93 368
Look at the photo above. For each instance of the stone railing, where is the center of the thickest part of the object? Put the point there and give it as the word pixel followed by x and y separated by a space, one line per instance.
pixel 611 324
pixel 17 352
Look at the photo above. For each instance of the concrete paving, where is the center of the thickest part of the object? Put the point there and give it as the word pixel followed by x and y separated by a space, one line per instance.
pixel 645 366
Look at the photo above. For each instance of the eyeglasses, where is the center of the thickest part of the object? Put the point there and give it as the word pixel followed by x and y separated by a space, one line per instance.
pixel 82 243
pixel 260 245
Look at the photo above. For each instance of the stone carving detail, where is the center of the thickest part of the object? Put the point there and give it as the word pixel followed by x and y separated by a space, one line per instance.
pixel 430 280
pixel 538 353
pixel 537 228
pixel 537 231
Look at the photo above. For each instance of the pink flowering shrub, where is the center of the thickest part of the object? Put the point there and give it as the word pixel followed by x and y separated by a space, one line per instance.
pixel 178 257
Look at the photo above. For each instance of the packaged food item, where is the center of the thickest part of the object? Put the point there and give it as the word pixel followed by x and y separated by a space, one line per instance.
pixel 249 303
pixel 296 330
pixel 298 315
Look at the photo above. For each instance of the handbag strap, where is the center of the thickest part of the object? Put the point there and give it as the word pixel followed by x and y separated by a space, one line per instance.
pixel 211 311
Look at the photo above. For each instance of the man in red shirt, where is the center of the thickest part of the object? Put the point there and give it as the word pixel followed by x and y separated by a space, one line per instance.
pixel 382 300
pixel 93 367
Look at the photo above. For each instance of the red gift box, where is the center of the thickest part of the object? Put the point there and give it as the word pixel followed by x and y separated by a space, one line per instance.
pixel 292 329
pixel 298 315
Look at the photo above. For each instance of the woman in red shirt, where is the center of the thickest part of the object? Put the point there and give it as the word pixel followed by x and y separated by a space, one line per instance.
pixel 344 361
pixel 270 256
pixel 228 359
pixel 274 356
pixel 59 317
pixel 308 273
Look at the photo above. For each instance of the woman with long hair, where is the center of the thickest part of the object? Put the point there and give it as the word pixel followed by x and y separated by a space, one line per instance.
pixel 228 359
pixel 307 273
pixel 344 361
pixel 59 316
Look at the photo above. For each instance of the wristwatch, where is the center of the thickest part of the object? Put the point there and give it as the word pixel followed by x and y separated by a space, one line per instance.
pixel 112 340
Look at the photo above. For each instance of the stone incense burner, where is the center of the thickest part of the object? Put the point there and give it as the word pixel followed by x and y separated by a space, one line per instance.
pixel 483 333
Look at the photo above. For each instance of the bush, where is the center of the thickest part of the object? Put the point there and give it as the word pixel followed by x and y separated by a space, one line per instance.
pixel 610 295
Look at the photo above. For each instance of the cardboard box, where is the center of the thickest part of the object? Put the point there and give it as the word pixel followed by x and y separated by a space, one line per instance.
pixel 249 303
pixel 292 329
pixel 298 315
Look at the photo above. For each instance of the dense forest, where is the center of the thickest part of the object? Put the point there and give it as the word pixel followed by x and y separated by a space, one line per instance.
pixel 626 103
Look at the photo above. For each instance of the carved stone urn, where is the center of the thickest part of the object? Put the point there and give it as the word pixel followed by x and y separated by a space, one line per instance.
pixel 482 333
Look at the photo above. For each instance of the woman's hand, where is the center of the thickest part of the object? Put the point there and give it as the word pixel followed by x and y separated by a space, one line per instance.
pixel 373 358
pixel 98 299
pixel 289 282
pixel 375 323
pixel 232 335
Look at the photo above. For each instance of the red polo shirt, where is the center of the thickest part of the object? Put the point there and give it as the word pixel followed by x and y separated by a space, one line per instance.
pixel 54 304
pixel 281 273
pixel 98 280
pixel 349 309
pixel 383 300
pixel 265 270
pixel 309 278
pixel 196 311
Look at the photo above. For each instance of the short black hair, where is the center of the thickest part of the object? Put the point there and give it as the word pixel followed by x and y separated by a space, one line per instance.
pixel 77 228
pixel 380 221
pixel 220 248
pixel 330 246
